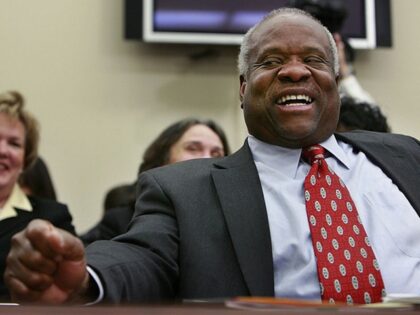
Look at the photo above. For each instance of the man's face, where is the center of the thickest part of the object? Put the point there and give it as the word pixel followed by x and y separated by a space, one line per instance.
pixel 290 95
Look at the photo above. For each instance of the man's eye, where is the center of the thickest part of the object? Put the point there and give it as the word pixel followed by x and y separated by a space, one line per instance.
pixel 271 62
pixel 268 63
pixel 314 59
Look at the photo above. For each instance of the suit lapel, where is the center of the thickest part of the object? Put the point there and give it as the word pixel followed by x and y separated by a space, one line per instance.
pixel 13 225
pixel 395 160
pixel 240 193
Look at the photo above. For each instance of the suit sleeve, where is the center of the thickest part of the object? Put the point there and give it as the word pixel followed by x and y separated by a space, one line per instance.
pixel 141 265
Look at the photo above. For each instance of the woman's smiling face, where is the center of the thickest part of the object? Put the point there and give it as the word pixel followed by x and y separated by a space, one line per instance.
pixel 12 152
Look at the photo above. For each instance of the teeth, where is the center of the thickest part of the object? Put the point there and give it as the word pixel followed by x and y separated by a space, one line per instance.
pixel 300 97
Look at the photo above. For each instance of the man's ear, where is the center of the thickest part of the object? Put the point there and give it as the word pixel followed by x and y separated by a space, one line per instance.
pixel 242 87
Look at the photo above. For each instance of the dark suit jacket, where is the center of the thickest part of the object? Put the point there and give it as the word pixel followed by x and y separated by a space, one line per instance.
pixel 200 229
pixel 55 212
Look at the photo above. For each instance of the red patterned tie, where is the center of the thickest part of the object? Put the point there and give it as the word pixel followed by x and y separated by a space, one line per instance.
pixel 347 267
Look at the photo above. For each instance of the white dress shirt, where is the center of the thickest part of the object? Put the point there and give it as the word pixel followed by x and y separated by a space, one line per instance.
pixel 390 221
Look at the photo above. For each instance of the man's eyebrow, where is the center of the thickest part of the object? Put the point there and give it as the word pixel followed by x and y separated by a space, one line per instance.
pixel 313 49
pixel 271 50
pixel 281 51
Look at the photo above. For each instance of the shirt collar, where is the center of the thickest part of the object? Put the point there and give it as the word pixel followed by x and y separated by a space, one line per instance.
pixel 18 200
pixel 274 155
pixel 336 151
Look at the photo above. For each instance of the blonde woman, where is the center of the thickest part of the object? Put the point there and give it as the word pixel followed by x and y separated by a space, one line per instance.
pixel 19 137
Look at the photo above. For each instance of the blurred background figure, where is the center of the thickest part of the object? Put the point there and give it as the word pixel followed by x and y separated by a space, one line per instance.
pixel 120 196
pixel 19 138
pixel 332 14
pixel 36 181
pixel 186 139
pixel 362 116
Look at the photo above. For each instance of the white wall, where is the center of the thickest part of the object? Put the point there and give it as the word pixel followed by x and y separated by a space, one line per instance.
pixel 100 98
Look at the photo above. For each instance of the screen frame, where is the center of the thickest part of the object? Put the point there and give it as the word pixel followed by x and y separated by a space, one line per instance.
pixel 151 36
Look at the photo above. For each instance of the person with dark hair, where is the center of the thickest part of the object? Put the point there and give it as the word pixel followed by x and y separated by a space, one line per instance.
pixel 165 149
pixel 36 181
pixel 186 139
pixel 169 146
pixel 361 116
pixel 19 138
pixel 120 196
pixel 298 212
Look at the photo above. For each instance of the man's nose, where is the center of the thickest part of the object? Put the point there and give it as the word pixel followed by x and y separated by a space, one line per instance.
pixel 293 71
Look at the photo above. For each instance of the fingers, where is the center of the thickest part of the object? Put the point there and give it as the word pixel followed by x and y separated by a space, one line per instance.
pixel 43 263
pixel 23 252
pixel 19 291
pixel 45 238
pixel 25 284
pixel 27 268
pixel 22 294
pixel 72 269
pixel 53 242
pixel 38 280
pixel 71 247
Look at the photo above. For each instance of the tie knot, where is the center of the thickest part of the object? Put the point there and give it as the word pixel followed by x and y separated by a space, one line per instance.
pixel 313 153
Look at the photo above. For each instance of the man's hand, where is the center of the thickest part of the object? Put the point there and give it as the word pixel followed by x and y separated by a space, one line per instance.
pixel 46 265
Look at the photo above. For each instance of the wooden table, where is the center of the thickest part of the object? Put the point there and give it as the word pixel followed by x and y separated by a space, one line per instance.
pixel 191 309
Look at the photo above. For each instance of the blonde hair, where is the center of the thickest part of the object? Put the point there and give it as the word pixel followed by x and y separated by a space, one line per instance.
pixel 12 104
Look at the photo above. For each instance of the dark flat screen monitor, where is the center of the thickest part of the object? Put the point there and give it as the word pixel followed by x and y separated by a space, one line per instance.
pixel 224 22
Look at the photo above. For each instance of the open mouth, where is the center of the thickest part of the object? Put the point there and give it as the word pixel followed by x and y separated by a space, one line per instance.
pixel 294 100
pixel 3 167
